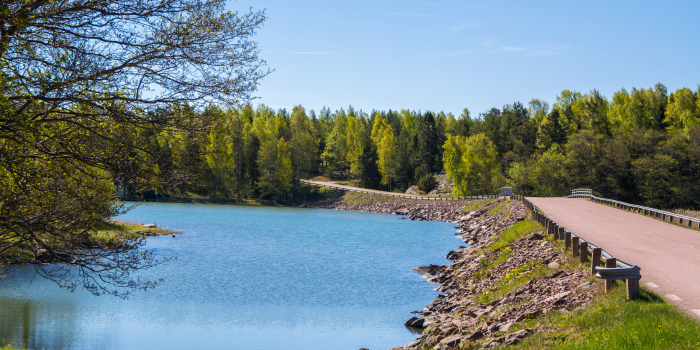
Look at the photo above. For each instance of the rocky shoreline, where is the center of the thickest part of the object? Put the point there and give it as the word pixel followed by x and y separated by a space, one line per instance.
pixel 493 287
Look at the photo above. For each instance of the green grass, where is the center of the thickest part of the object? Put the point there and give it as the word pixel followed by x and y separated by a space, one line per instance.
pixel 358 198
pixel 130 230
pixel 11 347
pixel 517 231
pixel 477 204
pixel 499 208
pixel 609 322
pixel 518 276
pixel 346 183
pixel 613 322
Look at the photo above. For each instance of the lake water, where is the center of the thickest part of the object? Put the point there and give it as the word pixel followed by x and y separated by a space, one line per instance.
pixel 246 278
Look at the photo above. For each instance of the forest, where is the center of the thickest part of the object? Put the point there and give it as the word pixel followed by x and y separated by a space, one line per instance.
pixel 641 146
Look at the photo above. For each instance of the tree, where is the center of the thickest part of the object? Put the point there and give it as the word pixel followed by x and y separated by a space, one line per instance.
pixel 387 157
pixel 582 157
pixel 283 169
pixel 551 131
pixel 369 173
pixel 219 154
pixel 79 80
pixel 461 126
pixel 336 144
pixel 356 141
pixel 549 173
pixel 593 109
pixel 643 108
pixel 472 163
pixel 683 111
pixel 303 143
pixel 427 151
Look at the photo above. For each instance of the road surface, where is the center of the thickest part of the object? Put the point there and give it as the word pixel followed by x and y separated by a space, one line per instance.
pixel 668 255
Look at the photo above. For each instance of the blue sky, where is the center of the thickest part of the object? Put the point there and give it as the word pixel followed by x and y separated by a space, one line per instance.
pixel 448 55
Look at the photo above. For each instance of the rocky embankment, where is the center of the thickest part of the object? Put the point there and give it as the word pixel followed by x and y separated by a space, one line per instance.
pixel 493 284
pixel 420 210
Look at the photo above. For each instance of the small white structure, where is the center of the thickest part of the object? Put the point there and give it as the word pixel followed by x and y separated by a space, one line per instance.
pixel 506 191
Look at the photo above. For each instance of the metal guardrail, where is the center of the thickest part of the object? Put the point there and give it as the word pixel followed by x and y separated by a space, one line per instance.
pixel 618 273
pixel 615 268
pixel 399 195
pixel 657 213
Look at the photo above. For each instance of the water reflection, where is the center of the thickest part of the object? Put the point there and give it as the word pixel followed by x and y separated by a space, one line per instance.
pixel 35 324
pixel 246 278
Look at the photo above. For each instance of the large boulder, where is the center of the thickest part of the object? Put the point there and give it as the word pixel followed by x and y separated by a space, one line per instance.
pixel 413 190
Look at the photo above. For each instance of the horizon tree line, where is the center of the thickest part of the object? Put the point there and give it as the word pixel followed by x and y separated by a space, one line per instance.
pixel 640 146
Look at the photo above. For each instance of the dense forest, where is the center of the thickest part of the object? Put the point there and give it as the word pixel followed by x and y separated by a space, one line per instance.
pixel 641 146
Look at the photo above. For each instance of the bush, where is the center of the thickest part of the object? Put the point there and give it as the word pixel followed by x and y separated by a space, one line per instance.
pixel 426 183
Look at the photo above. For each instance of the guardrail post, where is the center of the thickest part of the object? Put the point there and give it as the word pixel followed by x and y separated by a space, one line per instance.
pixel 567 239
pixel 584 252
pixel 574 247
pixel 595 259
pixel 610 263
pixel 632 288
pixel 562 234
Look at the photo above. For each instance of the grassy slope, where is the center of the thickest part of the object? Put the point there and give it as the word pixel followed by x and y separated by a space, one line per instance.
pixel 613 322
pixel 609 322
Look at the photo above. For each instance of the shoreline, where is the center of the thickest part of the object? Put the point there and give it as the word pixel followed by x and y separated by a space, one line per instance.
pixel 513 286
pixel 473 307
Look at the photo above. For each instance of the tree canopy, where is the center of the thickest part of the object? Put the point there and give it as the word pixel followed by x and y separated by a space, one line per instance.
pixel 81 83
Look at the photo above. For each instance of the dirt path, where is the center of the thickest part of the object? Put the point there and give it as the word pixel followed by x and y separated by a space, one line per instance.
pixel 668 255
pixel 365 190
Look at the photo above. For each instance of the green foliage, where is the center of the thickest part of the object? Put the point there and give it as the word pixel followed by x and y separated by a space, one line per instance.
pixel 426 183
pixel 499 208
pixel 477 204
pixel 387 156
pixel 472 164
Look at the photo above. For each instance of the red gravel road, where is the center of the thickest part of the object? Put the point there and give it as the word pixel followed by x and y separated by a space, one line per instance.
pixel 668 255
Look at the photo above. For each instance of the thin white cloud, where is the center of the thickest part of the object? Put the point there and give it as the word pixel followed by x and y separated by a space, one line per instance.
pixel 465 25
pixel 411 14
pixel 314 53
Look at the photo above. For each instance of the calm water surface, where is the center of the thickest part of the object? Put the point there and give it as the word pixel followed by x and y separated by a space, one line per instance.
pixel 246 278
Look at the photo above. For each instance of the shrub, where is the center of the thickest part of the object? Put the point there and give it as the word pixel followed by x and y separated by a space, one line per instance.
pixel 426 183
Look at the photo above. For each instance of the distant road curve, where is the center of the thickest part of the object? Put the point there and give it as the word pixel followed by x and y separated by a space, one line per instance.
pixel 364 190
pixel 668 255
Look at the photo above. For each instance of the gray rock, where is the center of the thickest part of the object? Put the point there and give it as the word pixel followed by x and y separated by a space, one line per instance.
pixel 418 323
pixel 452 341
pixel 476 335
pixel 409 323
pixel 516 337
pixel 506 327
pixel 536 237
pixel 527 316
pixel 553 265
